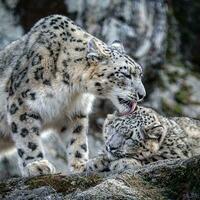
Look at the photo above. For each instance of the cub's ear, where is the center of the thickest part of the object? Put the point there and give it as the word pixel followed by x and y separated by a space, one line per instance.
pixel 117 45
pixel 96 52
pixel 155 132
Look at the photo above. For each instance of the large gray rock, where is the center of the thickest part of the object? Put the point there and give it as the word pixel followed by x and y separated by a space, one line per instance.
pixel 176 92
pixel 141 25
pixel 10 29
pixel 169 179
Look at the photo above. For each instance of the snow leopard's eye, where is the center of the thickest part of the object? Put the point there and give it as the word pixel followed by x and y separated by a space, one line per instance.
pixel 126 75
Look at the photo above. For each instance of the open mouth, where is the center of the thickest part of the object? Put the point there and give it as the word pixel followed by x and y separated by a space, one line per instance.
pixel 130 105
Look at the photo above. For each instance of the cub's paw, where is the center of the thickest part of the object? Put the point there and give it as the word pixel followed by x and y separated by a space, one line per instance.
pixel 77 167
pixel 124 164
pixel 98 164
pixel 39 168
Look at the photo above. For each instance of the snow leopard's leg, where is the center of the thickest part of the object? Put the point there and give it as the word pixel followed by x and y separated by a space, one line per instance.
pixel 77 148
pixel 25 127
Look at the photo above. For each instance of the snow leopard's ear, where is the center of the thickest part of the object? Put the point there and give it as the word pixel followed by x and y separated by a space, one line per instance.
pixel 117 45
pixel 96 52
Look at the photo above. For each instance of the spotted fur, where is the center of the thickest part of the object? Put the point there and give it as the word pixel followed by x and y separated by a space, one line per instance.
pixel 144 137
pixel 50 77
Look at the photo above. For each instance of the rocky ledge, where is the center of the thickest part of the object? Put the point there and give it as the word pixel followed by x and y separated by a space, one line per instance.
pixel 170 179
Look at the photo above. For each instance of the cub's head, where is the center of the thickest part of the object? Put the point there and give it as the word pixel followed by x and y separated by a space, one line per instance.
pixel 138 135
pixel 114 75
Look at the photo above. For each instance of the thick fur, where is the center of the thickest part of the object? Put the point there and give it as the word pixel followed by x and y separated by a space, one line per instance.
pixel 49 78
pixel 144 137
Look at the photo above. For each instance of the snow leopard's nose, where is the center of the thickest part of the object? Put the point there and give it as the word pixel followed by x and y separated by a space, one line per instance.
pixel 140 97
pixel 141 92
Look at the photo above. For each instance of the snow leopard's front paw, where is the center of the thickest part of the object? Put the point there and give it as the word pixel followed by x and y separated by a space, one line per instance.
pixel 39 168
pixel 77 167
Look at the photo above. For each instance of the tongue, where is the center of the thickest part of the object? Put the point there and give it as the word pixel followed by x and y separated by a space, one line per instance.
pixel 133 106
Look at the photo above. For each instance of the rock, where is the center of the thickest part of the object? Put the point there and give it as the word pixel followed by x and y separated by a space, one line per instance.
pixel 187 15
pixel 176 92
pixel 10 28
pixel 141 22
pixel 169 179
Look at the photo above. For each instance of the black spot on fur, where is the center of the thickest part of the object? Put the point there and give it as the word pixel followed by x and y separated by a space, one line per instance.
pixel 84 147
pixel 78 154
pixel 97 84
pixel 14 127
pixel 63 129
pixel 13 109
pixel 78 129
pixel 35 130
pixel 66 78
pixel 38 74
pixel 79 40
pixel 34 116
pixel 36 60
pixel 40 155
pixel 56 27
pixel 80 115
pixel 20 101
pixel 32 146
pixel 29 158
pixel 24 132
pixel 100 75
pixel 72 141
pixel 47 82
pixel 32 96
pixel 23 117
pixel 20 152
pixel 25 93
pixel 64 62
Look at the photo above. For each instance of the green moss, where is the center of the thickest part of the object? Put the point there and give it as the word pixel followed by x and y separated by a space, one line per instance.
pixel 65 184
pixel 174 76
pixel 183 95
pixel 175 182
pixel 4 189
pixel 161 83
pixel 171 110
pixel 144 188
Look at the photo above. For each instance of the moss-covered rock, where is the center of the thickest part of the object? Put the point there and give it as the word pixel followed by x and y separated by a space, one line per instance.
pixel 183 95
pixel 169 179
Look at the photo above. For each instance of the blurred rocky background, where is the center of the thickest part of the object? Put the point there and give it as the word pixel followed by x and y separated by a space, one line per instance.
pixel 162 35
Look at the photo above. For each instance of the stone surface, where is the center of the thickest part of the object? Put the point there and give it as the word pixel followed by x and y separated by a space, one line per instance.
pixel 10 29
pixel 171 179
